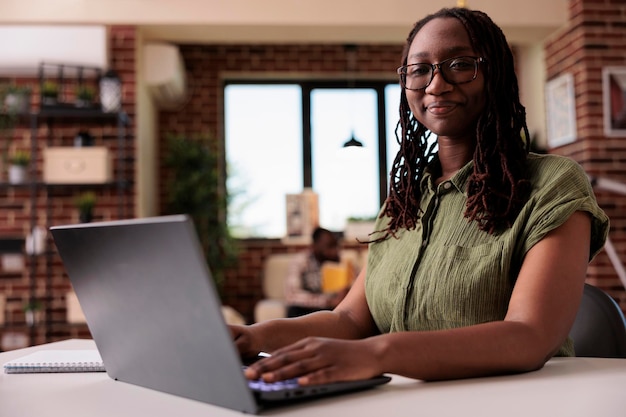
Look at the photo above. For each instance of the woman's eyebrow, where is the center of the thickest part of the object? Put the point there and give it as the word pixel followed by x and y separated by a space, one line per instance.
pixel 450 51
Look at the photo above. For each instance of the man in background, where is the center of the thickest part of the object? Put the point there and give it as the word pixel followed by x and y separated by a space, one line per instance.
pixel 304 292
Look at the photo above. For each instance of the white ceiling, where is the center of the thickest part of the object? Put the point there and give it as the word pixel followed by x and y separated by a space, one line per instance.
pixel 284 21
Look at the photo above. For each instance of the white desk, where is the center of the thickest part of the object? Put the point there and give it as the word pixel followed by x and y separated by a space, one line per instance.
pixel 564 387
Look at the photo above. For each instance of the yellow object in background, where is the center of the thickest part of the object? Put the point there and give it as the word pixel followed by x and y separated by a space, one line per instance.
pixel 336 276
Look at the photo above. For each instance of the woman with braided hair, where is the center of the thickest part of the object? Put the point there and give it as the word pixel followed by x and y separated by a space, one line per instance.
pixel 480 252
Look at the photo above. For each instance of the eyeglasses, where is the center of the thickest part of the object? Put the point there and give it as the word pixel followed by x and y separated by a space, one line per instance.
pixel 459 70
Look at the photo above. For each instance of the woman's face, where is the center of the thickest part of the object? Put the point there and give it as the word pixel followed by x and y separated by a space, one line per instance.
pixel 445 109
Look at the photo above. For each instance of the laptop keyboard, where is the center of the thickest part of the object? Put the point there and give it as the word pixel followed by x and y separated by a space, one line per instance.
pixel 260 385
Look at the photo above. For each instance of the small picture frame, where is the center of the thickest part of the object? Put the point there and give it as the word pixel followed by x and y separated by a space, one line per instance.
pixel 302 212
pixel 561 110
pixel 614 101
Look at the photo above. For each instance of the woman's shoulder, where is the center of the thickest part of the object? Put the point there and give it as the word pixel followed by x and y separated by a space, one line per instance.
pixel 550 160
pixel 548 168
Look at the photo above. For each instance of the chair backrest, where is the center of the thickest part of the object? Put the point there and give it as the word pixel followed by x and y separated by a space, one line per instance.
pixel 275 271
pixel 276 268
pixel 600 328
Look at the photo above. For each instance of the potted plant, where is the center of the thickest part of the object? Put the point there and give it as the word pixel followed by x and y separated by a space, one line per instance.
pixel 49 93
pixel 84 95
pixel 16 99
pixel 18 166
pixel 32 311
pixel 193 188
pixel 7 126
pixel 85 204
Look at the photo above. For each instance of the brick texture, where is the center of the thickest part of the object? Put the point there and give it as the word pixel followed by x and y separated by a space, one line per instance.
pixel 594 38
pixel 44 277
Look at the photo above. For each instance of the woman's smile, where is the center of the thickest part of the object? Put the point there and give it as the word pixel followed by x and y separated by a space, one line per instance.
pixel 441 107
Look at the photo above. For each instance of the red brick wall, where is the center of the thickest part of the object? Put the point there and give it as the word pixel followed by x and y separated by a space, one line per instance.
pixel 594 38
pixel 44 276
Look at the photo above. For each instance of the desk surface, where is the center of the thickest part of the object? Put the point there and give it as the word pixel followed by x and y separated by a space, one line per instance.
pixel 564 387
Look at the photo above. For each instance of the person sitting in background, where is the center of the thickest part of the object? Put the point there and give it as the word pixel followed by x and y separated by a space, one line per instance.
pixel 304 292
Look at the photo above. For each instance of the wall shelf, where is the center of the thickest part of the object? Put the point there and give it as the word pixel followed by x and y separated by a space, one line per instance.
pixel 43 275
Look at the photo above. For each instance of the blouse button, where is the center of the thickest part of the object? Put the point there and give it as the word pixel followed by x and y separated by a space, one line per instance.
pixel 447 185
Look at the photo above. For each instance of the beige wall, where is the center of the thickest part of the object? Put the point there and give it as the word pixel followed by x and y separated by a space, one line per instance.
pixel 146 174
pixel 532 77
pixel 281 20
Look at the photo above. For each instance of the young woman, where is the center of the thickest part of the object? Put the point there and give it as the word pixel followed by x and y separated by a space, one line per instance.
pixel 482 248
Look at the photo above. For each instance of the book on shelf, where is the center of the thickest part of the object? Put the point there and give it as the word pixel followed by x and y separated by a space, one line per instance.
pixel 56 361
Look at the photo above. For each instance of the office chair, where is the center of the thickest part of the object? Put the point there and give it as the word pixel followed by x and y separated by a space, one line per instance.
pixel 600 328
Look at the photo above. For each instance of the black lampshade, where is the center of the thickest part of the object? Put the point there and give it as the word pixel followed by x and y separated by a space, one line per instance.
pixel 352 142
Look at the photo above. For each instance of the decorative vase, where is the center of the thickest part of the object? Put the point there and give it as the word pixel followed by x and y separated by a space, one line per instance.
pixel 111 92
pixel 85 216
pixel 17 174
pixel 49 101
pixel 17 103
pixel 32 316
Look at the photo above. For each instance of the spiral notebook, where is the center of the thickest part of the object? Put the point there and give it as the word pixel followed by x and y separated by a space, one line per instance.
pixel 56 361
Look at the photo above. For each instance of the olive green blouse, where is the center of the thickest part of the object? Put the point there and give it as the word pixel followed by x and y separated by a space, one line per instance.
pixel 447 273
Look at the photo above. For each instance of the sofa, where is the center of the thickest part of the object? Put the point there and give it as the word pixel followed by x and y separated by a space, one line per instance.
pixel 275 268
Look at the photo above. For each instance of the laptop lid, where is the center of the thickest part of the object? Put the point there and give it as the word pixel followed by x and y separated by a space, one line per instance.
pixel 153 311
pixel 152 308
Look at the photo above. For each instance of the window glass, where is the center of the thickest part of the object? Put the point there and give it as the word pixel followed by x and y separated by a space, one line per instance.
pixel 392 116
pixel 263 136
pixel 345 178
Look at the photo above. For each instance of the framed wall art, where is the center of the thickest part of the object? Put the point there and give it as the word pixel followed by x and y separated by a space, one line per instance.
pixel 561 110
pixel 614 100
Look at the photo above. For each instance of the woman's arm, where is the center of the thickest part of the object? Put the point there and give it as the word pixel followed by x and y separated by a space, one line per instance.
pixel 541 311
pixel 351 319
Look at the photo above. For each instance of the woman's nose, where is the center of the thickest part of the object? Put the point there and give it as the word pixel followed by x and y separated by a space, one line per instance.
pixel 438 84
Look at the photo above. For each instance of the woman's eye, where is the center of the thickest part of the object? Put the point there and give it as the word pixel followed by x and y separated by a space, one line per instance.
pixel 418 70
pixel 461 65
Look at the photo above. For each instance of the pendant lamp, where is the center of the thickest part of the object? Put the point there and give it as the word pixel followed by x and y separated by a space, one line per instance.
pixel 351 66
pixel 353 142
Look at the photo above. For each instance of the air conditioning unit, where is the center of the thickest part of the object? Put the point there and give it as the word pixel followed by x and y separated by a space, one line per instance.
pixel 165 75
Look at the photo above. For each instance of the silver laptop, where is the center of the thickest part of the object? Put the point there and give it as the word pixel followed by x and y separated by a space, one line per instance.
pixel 155 316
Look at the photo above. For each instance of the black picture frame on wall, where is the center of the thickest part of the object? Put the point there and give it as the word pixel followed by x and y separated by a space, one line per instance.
pixel 614 101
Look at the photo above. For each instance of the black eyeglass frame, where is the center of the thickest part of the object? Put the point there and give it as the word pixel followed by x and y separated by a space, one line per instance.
pixel 402 71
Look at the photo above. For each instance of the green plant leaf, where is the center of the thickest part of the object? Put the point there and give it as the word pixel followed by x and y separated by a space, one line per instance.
pixel 194 188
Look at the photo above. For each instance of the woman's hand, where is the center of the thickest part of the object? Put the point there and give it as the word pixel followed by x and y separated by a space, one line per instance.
pixel 316 360
pixel 245 340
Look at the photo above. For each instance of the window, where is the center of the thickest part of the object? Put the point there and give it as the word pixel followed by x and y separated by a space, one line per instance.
pixel 392 115
pixel 345 178
pixel 263 156
pixel 281 138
